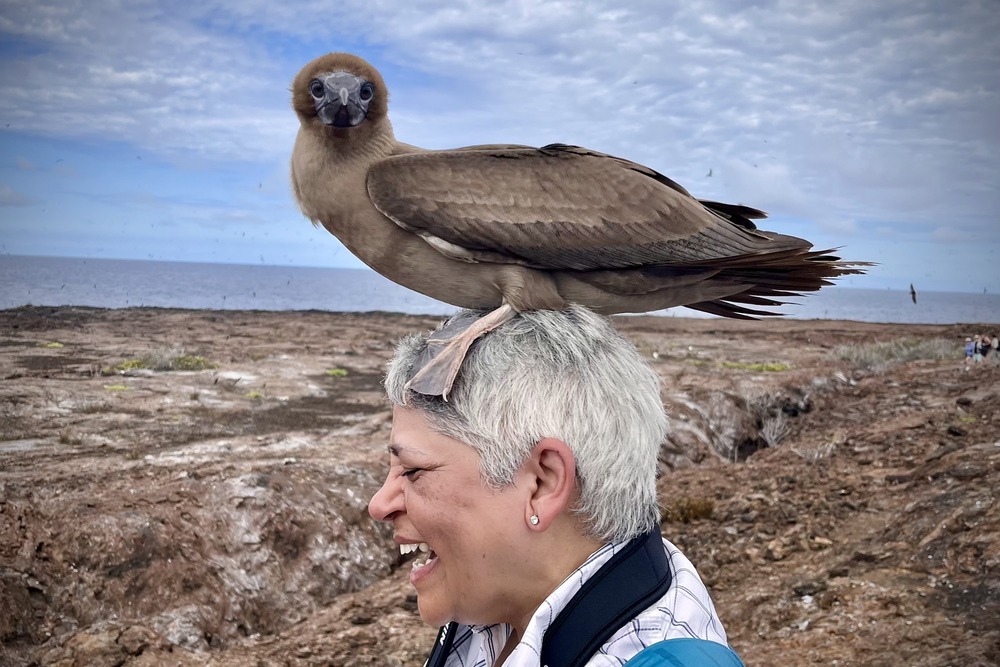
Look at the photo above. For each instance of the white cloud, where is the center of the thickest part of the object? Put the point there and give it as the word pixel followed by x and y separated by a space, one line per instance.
pixel 142 75
pixel 10 197
pixel 950 235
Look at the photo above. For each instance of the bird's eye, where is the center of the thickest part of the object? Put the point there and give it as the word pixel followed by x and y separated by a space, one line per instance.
pixel 316 88
pixel 367 92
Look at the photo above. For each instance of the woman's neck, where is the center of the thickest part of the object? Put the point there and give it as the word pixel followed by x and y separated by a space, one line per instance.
pixel 557 553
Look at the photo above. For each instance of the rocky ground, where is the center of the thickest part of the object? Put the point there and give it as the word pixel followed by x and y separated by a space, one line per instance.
pixel 843 511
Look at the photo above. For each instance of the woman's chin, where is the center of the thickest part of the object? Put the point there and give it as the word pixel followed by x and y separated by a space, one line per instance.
pixel 430 613
pixel 431 610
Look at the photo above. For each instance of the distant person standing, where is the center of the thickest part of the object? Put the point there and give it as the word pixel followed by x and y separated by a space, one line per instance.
pixel 996 352
pixel 970 351
pixel 985 346
pixel 977 349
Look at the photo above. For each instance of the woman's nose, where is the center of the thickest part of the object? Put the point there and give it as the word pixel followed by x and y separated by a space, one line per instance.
pixel 387 500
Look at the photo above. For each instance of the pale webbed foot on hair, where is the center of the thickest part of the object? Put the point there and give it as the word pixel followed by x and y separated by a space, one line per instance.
pixel 442 357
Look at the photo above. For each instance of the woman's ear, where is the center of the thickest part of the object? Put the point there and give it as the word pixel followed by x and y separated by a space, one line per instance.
pixel 552 482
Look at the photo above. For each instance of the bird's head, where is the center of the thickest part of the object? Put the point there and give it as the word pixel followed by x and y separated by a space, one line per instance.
pixel 339 90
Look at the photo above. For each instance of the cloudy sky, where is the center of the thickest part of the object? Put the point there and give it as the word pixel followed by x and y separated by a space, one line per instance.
pixel 162 130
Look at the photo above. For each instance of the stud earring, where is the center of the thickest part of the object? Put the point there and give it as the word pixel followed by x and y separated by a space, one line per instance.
pixel 533 520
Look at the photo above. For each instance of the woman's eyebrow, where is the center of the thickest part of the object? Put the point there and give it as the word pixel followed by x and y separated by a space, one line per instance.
pixel 395 449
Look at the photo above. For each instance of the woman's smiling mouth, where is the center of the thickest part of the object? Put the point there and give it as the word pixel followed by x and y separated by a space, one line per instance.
pixel 421 565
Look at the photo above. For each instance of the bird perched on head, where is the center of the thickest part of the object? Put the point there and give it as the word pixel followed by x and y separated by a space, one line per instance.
pixel 508 228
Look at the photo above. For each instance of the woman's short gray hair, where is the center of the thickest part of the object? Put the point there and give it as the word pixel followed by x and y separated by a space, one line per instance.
pixel 562 374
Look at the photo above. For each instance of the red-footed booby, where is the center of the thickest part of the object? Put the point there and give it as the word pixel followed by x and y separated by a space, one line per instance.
pixel 508 228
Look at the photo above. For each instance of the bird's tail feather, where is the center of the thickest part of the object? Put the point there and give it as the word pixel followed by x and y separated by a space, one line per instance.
pixel 769 283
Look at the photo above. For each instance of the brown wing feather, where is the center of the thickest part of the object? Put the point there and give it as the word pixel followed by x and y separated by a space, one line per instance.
pixel 562 207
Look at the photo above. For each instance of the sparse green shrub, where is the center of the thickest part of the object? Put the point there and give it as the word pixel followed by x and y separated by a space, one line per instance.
pixel 170 359
pixel 187 362
pixel 760 367
pixel 336 372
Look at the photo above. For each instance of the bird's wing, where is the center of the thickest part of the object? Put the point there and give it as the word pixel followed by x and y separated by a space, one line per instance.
pixel 559 207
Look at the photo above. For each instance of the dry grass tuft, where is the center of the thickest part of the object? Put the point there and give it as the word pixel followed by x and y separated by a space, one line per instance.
pixel 686 510
pixel 67 438
pixel 774 427
pixel 880 355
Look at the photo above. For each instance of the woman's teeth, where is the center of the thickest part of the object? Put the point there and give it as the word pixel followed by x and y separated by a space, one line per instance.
pixel 423 548
pixel 410 548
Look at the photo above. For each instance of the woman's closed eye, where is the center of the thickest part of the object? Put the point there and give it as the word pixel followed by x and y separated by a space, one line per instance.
pixel 410 472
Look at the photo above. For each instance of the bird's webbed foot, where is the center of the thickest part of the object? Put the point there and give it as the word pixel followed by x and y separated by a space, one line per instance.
pixel 442 358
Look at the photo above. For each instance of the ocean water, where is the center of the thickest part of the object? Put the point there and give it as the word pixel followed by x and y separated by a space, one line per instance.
pixel 104 283
pixel 112 283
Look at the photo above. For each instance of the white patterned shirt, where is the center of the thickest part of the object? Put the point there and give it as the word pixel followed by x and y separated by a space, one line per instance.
pixel 685 610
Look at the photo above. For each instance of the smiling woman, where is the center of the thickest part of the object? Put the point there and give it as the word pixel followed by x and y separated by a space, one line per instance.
pixel 530 494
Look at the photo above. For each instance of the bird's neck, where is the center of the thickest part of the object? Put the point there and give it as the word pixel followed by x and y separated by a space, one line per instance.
pixel 364 144
pixel 330 169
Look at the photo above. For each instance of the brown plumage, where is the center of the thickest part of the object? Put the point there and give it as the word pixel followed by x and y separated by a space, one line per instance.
pixel 515 227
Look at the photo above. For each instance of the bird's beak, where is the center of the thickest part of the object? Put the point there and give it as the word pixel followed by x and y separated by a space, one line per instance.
pixel 341 104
